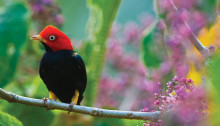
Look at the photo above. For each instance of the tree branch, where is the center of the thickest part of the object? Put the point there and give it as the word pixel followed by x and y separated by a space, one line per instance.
pixel 206 52
pixel 51 104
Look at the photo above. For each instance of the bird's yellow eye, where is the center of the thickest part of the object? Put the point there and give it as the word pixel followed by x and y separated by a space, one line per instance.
pixel 52 37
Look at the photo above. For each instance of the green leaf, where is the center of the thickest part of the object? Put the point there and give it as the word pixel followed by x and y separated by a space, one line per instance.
pixel 214 72
pixel 73 119
pixel 209 7
pixel 150 57
pixel 13 34
pixel 37 88
pixel 160 13
pixel 98 121
pixel 28 115
pixel 75 20
pixel 133 122
pixel 8 120
pixel 102 14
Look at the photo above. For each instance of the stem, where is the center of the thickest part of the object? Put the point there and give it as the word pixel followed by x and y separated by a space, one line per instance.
pixel 195 41
pixel 51 104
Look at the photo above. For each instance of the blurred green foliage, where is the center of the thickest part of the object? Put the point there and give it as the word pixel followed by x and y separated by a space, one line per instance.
pixel 210 8
pixel 151 59
pixel 76 16
pixel 37 88
pixel 13 34
pixel 108 122
pixel 8 120
pixel 29 115
pixel 131 10
pixel 99 24
pixel 115 122
pixel 214 71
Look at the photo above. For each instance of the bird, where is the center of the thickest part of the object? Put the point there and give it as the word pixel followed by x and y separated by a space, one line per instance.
pixel 61 68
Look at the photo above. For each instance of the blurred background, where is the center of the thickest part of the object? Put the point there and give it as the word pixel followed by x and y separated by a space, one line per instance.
pixel 131 50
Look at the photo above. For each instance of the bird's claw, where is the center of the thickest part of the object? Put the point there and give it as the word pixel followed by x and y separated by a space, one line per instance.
pixel 44 100
pixel 70 107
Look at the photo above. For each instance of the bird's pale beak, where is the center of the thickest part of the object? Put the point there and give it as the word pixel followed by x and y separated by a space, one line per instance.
pixel 37 37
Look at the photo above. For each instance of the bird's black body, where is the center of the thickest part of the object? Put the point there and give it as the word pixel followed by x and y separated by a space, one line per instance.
pixel 63 72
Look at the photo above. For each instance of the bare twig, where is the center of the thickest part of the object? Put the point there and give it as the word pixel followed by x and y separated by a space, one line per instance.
pixel 195 41
pixel 51 104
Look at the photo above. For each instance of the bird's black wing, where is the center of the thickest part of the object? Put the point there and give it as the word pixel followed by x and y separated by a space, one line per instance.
pixel 83 77
pixel 82 69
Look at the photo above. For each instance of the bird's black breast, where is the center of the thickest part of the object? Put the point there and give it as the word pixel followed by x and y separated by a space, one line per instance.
pixel 63 73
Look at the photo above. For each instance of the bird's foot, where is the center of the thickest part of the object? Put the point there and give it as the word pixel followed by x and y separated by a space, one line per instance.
pixel 44 100
pixel 70 107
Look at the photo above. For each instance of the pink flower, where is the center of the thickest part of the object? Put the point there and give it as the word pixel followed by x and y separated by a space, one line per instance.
pixel 141 69
pixel 59 19
pixel 145 110
pixel 47 1
pixel 175 78
pixel 164 98
pixel 171 99
pixel 184 80
pixel 164 5
pixel 169 84
pixel 173 94
pixel 145 20
pixel 131 32
pixel 161 25
pixel 189 81
pixel 181 92
pixel 115 29
pixel 156 94
pixel 37 7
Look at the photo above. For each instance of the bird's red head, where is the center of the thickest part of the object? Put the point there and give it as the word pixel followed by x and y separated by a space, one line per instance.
pixel 54 39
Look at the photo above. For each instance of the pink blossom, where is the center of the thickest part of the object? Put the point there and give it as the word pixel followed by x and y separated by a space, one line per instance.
pixel 115 29
pixel 141 69
pixel 131 32
pixel 169 84
pixel 145 20
pixel 47 1
pixel 59 19
pixel 164 98
pixel 164 5
pixel 189 81
pixel 156 94
pixel 145 110
pixel 37 7
pixel 161 25
pixel 175 78
pixel 184 80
